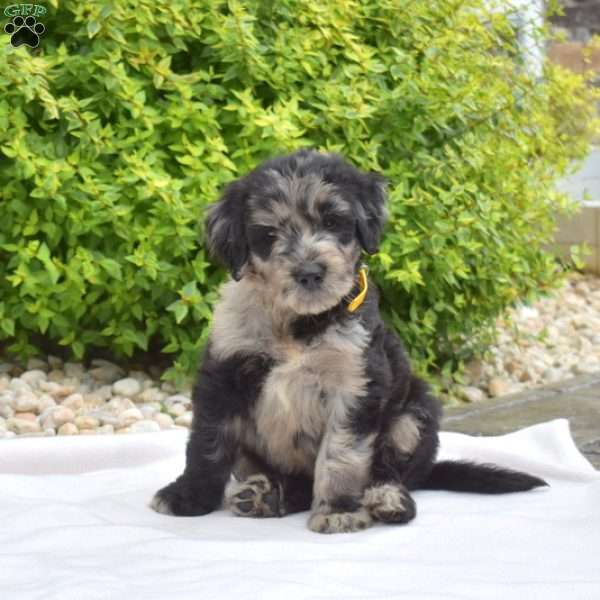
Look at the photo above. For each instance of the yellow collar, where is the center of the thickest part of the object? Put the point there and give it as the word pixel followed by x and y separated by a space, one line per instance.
pixel 364 286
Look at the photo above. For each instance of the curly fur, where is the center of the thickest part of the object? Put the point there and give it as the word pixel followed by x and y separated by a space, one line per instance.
pixel 309 406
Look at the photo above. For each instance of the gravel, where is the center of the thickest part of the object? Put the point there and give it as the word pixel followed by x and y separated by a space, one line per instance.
pixel 48 397
pixel 554 339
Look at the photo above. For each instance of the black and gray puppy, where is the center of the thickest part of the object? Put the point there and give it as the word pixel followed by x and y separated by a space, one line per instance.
pixel 303 393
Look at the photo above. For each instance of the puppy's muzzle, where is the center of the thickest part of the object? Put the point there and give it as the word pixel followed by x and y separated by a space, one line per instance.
pixel 310 276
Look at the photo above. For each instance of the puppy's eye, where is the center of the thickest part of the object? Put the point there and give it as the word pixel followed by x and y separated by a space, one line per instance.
pixel 331 222
pixel 261 239
pixel 263 231
pixel 342 226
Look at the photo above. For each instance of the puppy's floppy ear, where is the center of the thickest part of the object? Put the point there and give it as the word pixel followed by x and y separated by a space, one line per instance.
pixel 226 228
pixel 371 212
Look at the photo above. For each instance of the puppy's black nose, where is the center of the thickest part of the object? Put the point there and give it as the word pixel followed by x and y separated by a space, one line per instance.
pixel 310 276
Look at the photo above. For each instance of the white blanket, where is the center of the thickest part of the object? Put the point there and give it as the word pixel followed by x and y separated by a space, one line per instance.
pixel 74 524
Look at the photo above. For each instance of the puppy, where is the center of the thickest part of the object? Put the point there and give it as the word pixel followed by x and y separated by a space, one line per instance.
pixel 303 393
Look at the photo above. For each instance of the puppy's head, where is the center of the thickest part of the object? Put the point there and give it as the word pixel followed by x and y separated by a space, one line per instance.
pixel 297 223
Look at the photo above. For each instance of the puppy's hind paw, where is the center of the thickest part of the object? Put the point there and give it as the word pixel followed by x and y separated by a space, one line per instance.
pixel 342 522
pixel 255 497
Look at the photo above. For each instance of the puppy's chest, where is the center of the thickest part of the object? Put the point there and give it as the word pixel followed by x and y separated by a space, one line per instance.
pixel 308 383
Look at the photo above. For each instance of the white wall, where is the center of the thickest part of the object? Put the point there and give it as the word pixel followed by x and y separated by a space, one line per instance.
pixel 528 17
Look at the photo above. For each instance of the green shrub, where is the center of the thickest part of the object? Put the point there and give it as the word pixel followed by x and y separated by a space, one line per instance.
pixel 125 122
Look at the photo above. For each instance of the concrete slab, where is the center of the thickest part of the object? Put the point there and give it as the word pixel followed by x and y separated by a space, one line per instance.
pixel 576 399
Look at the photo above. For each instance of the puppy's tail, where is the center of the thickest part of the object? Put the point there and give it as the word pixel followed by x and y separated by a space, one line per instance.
pixel 465 476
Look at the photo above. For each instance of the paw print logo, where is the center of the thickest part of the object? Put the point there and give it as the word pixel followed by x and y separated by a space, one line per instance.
pixel 24 31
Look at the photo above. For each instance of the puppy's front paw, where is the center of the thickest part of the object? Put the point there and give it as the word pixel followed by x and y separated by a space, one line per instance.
pixel 339 522
pixel 254 497
pixel 180 499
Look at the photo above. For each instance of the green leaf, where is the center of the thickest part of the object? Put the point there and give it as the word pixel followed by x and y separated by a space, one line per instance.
pixel 44 256
pixel 171 347
pixel 181 312
pixel 180 309
pixel 93 27
pixel 78 349
pixel 112 267
pixel 8 326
